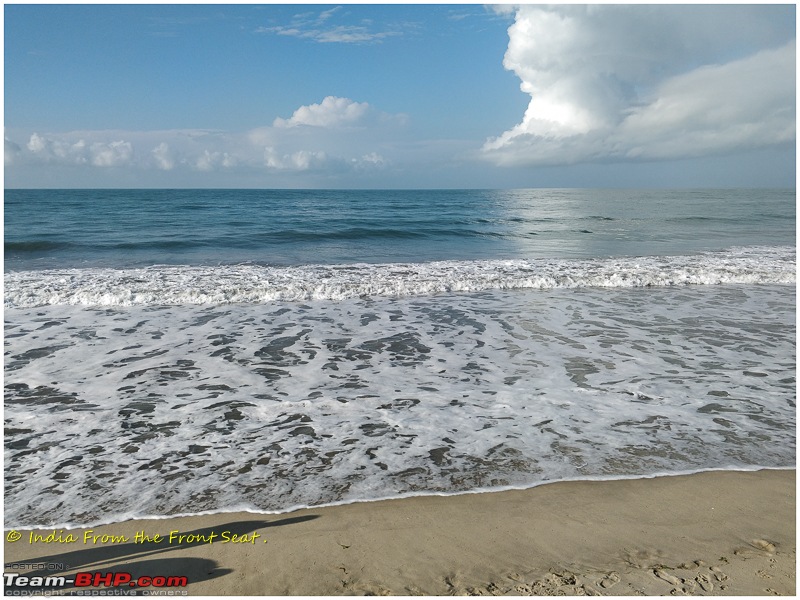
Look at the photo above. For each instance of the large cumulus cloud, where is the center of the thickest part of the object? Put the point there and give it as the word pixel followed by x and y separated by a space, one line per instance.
pixel 646 82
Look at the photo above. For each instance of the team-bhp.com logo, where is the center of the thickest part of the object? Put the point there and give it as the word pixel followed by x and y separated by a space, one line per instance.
pixel 111 579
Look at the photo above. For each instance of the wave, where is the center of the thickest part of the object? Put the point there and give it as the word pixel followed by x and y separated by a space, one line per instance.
pixel 351 233
pixel 138 515
pixel 35 246
pixel 259 240
pixel 248 283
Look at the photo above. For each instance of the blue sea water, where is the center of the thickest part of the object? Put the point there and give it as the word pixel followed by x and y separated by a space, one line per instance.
pixel 134 228
pixel 177 351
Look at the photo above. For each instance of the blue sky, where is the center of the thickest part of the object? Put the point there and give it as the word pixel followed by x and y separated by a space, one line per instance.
pixel 399 96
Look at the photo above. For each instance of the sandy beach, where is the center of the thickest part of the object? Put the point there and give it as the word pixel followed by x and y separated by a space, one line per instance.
pixel 720 533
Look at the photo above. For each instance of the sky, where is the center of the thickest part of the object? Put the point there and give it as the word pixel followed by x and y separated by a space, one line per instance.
pixel 399 96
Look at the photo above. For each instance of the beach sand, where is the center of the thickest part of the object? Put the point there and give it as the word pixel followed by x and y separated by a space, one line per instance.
pixel 720 533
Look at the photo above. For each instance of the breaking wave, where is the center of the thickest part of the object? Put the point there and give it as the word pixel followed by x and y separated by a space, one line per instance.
pixel 251 283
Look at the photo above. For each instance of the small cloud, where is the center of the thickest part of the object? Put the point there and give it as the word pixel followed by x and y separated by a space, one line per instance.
pixel 353 34
pixel 114 154
pixel 342 34
pixel 302 17
pixel 37 143
pixel 506 10
pixel 305 26
pixel 62 151
pixel 331 112
pixel 163 157
pixel 86 148
pixel 302 160
pixel 327 14
pixel 212 161
pixel 369 162
pixel 491 12
pixel 12 149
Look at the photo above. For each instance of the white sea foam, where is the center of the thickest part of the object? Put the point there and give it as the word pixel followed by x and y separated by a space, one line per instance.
pixel 178 285
pixel 119 412
pixel 136 515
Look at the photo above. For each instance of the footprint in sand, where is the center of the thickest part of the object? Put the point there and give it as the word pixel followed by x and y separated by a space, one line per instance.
pixel 370 589
pixel 590 591
pixel 704 582
pixel 764 545
pixel 677 592
pixel 609 580
pixel 718 574
pixel 522 588
pixel 561 584
pixel 492 588
pixel 667 577
pixel 760 545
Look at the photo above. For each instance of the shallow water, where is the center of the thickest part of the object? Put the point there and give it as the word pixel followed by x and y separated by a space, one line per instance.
pixel 175 409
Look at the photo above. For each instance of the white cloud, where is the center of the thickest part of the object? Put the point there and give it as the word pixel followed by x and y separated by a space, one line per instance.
pixel 113 154
pixel 744 103
pixel 370 161
pixel 327 14
pixel 37 144
pixel 163 157
pixel 307 26
pixel 621 82
pixel 66 151
pixel 331 112
pixel 11 151
pixel 302 160
pixel 212 161
pixel 57 150
pixel 334 137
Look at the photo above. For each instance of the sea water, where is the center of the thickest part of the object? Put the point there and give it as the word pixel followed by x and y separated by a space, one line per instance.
pixel 184 351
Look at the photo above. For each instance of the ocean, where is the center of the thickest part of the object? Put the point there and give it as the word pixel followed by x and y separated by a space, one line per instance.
pixel 188 351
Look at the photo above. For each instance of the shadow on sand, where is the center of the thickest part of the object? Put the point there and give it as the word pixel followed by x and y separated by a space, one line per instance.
pixel 148 557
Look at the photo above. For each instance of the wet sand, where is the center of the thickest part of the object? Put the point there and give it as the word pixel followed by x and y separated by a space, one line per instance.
pixel 722 533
